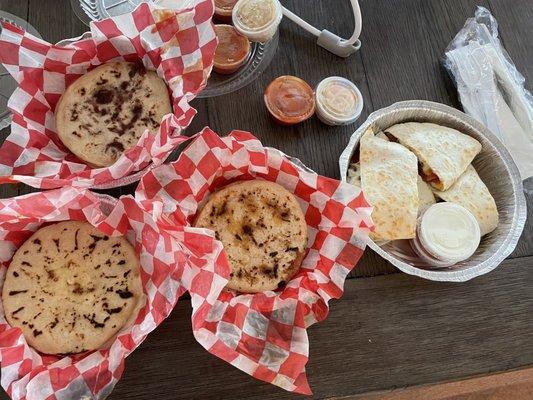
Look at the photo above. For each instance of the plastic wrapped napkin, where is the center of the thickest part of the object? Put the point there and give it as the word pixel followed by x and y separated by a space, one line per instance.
pixel 490 87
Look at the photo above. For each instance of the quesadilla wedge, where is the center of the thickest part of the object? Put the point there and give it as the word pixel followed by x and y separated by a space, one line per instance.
pixel 443 153
pixel 470 192
pixel 425 194
pixel 388 180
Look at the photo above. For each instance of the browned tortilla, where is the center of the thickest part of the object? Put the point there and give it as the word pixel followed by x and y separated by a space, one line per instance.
pixel 263 230
pixel 70 288
pixel 106 111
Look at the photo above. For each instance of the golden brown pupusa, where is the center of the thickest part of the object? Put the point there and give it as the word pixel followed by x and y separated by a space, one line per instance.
pixel 263 230
pixel 70 288
pixel 105 112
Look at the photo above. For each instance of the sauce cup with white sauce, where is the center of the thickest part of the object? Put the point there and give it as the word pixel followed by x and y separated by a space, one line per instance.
pixel 338 101
pixel 447 233
pixel 258 20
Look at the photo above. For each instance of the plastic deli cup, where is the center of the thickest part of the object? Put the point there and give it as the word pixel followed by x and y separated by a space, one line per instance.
pixel 447 233
pixel 232 51
pixel 338 101
pixel 224 9
pixel 290 100
pixel 258 20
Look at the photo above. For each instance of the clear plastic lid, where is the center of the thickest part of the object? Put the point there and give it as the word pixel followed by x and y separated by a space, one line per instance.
pixel 261 54
pixel 94 10
pixel 258 20
pixel 448 232
pixel 338 101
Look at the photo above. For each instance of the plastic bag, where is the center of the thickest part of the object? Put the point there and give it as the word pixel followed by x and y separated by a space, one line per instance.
pixel 490 87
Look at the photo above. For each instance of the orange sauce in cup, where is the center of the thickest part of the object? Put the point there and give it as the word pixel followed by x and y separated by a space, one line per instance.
pixel 290 100
pixel 223 9
pixel 232 50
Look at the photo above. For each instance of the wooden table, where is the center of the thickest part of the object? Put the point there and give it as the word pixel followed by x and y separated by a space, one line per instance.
pixel 390 330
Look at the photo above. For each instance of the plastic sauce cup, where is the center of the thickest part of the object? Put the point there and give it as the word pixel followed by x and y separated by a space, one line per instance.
pixel 224 9
pixel 258 20
pixel 290 100
pixel 338 101
pixel 447 233
pixel 232 51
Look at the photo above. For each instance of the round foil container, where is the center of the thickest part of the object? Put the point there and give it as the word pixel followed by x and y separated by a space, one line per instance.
pixel 495 167
pixel 7 83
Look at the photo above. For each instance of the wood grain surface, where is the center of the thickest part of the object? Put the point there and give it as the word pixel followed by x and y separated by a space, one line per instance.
pixel 389 330
pixel 386 332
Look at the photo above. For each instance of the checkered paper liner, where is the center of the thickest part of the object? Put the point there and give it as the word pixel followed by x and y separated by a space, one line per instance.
pixel 178 43
pixel 265 334
pixel 168 267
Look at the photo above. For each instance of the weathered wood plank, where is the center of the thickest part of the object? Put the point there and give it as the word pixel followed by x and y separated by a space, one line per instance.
pixel 504 386
pixel 403 43
pixel 18 8
pixel 387 332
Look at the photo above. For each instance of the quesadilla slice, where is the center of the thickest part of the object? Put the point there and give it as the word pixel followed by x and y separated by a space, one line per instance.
pixel 425 194
pixel 443 153
pixel 388 180
pixel 470 192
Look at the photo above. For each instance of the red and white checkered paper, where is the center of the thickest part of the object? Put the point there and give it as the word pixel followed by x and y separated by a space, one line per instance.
pixel 168 266
pixel 265 334
pixel 179 43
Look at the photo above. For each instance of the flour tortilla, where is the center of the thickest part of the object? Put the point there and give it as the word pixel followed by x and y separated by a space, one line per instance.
pixel 388 179
pixel 442 151
pixel 354 170
pixel 470 192
pixel 425 195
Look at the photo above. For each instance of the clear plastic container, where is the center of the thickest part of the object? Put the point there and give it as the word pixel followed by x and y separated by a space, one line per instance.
pixel 223 10
pixel 94 10
pixel 261 33
pixel 261 54
pixel 446 234
pixel 331 114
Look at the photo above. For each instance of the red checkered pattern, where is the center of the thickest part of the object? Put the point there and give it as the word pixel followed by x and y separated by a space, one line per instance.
pixel 168 269
pixel 178 43
pixel 265 334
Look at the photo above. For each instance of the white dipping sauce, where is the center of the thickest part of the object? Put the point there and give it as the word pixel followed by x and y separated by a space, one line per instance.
pixel 338 98
pixel 338 101
pixel 449 232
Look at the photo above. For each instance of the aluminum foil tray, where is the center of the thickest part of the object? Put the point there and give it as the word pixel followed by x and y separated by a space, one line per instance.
pixel 495 167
